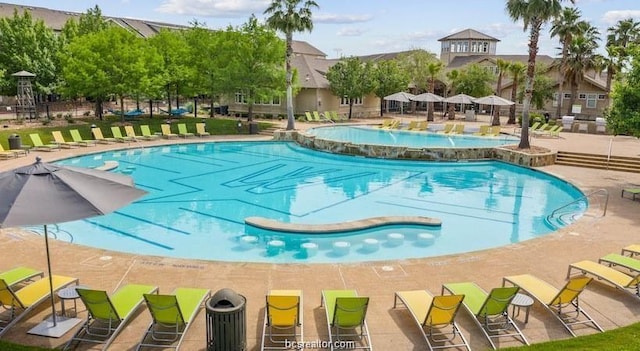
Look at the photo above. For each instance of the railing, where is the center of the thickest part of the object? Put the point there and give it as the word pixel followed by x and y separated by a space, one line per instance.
pixel 559 213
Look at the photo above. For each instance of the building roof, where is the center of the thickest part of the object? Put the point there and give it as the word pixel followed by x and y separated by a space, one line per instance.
pixel 304 48
pixel 461 61
pixel 468 34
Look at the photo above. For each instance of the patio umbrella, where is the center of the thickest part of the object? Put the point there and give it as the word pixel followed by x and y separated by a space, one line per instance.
pixel 428 97
pixel 493 100
pixel 401 97
pixel 460 99
pixel 42 193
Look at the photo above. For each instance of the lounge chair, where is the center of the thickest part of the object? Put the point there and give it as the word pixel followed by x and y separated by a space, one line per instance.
pixel 27 298
pixel 166 131
pixel 533 127
pixel 422 125
pixel 631 250
pixel 622 281
pixel 131 133
pixel 386 123
pixel 20 275
pixel 39 145
pixel 59 139
pixel 182 131
pixel 97 135
pixel 393 124
pixel 75 136
pixel 333 115
pixel 146 132
pixel 413 125
pixel 201 131
pixel 448 128
pixel 490 310
pixel 484 130
pixel 346 318
pixel 553 132
pixel 308 116
pixel 457 129
pixel 633 191
pixel 117 134
pixel 562 303
pixel 435 316
pixel 107 316
pixel 620 260
pixel 317 117
pixel 172 316
pixel 283 320
pixel 11 153
pixel 494 131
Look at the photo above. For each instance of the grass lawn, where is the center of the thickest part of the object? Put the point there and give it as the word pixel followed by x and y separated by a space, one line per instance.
pixel 215 126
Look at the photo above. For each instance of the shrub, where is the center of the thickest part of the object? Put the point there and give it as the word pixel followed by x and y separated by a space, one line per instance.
pixel 533 118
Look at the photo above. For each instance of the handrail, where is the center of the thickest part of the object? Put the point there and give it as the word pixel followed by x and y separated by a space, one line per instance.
pixel 604 212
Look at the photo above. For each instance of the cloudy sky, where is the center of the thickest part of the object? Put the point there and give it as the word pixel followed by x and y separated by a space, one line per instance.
pixel 361 27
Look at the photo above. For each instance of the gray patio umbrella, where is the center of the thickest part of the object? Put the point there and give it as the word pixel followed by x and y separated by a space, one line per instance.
pixel 43 193
pixel 428 97
pixel 401 97
pixel 460 99
pixel 493 100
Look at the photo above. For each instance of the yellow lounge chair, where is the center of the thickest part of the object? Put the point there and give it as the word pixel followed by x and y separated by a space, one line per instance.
pixel 494 131
pixel 11 153
pixel 117 134
pixel 201 131
pixel 448 128
pixel 457 129
pixel 484 130
pixel 39 145
pixel 131 133
pixel 108 314
pixel 412 125
pixel 166 131
pixel 622 281
pixel 283 321
pixel 631 250
pixel 346 318
pixel 386 123
pixel 59 139
pixel 146 133
pixel 562 303
pixel 75 136
pixel 97 135
pixel 435 316
pixel 172 316
pixel 22 301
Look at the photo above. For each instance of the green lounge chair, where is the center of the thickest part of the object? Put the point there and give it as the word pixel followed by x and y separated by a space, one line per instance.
pixel 172 316
pixel 19 275
pixel 108 315
pixel 283 320
pixel 562 303
pixel 490 310
pixel 146 132
pixel 633 191
pixel 59 139
pixel 622 281
pixel 39 145
pixel 622 261
pixel 316 116
pixel 75 136
pixel 308 117
pixel 435 316
pixel 117 134
pixel 97 135
pixel 21 302
pixel 346 318
pixel 166 131
pixel 182 131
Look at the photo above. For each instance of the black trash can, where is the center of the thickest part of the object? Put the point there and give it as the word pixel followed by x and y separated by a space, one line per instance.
pixel 226 321
pixel 15 143
pixel 253 127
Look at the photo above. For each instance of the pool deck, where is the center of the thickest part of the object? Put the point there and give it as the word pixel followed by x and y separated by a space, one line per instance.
pixel 547 257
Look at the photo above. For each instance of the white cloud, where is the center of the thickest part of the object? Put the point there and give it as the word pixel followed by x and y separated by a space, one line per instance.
pixel 213 8
pixel 340 18
pixel 350 32
pixel 612 17
pixel 426 35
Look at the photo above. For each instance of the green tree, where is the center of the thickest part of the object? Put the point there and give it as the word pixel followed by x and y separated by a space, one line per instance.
pixel 452 81
pixel 351 78
pixel 434 69
pixel 543 88
pixel 534 14
pixel 581 57
pixel 89 22
pixel 565 26
pixel 619 38
pixel 256 65
pixel 389 78
pixel 502 67
pixel 416 64
pixel 624 115
pixel 27 44
pixel 516 71
pixel 288 17
pixel 475 80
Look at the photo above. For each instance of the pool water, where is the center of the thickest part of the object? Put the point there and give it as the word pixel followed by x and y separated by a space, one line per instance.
pixel 200 194
pixel 372 135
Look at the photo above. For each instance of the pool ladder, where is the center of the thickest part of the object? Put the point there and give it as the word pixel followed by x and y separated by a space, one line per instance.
pixel 563 215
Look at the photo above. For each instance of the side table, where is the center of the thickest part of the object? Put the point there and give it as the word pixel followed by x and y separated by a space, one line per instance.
pixel 521 301
pixel 69 293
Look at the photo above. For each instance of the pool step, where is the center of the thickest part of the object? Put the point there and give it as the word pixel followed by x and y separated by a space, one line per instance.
pixel 614 163
pixel 268 131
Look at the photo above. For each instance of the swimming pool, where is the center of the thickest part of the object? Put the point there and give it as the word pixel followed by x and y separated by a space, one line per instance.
pixel 372 135
pixel 200 194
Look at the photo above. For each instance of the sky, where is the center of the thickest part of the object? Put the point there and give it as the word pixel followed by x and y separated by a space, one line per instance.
pixel 363 27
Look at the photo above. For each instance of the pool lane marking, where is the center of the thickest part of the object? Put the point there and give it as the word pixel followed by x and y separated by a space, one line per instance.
pixel 129 235
pixel 462 206
pixel 152 223
pixel 211 216
pixel 446 212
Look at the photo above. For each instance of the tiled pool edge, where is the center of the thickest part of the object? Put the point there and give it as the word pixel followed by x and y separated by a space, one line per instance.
pixel 424 154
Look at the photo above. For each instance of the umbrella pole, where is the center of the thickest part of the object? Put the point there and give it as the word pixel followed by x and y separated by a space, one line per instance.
pixel 53 304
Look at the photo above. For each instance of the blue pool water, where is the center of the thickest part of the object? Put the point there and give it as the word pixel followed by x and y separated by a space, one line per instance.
pixel 407 138
pixel 200 194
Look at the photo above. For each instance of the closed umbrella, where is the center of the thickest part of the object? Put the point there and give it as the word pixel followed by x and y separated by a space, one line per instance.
pixel 43 193
pixel 401 97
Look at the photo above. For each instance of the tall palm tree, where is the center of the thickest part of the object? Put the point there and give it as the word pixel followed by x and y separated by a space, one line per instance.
pixel 516 70
pixel 581 57
pixel 289 16
pixel 534 14
pixel 564 27
pixel 434 69
pixel 502 66
pixel 619 37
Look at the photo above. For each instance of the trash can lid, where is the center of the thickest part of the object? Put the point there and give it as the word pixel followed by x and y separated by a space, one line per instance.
pixel 226 299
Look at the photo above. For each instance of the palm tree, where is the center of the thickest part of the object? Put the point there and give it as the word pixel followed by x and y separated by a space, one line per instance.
pixel 516 70
pixel 502 66
pixel 619 37
pixel 434 69
pixel 289 16
pixel 564 27
pixel 581 57
pixel 534 13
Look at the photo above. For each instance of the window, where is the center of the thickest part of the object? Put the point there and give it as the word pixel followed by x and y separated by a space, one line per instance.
pixel 555 99
pixel 465 46
pixel 592 100
pixel 485 46
pixel 582 96
pixel 602 96
pixel 240 98
pixel 474 46
pixel 567 96
pixel 345 101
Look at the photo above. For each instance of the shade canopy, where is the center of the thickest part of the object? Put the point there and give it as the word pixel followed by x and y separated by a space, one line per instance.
pixel 460 99
pixel 428 97
pixel 400 96
pixel 493 100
